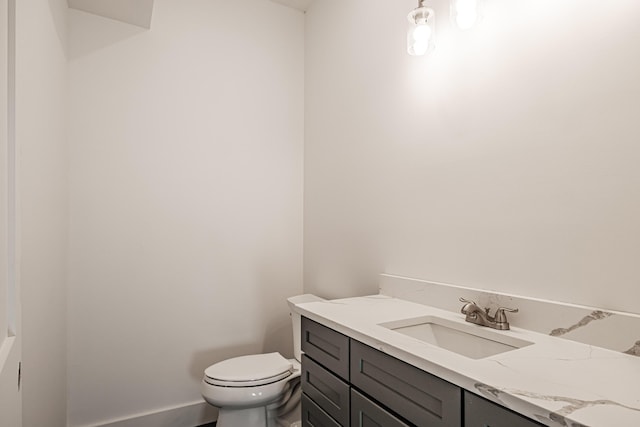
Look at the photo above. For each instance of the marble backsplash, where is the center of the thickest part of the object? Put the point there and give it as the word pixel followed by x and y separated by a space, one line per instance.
pixel 588 325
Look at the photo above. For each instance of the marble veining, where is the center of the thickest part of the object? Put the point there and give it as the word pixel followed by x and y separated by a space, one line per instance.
pixel 635 350
pixel 571 405
pixel 594 315
pixel 487 391
pixel 558 417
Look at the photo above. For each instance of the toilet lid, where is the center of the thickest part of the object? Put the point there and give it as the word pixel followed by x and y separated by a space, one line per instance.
pixel 246 371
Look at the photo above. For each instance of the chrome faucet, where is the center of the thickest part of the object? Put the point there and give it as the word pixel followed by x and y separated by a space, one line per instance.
pixel 482 317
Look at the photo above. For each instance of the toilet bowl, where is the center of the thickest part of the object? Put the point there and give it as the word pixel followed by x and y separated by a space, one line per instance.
pixel 255 390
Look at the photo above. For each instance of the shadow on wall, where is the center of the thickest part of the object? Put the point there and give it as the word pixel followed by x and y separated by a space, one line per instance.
pixel 274 308
pixel 202 359
pixel 96 32
pixel 277 338
pixel 60 22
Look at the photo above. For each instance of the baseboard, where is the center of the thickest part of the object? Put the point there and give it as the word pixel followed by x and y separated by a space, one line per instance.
pixel 189 415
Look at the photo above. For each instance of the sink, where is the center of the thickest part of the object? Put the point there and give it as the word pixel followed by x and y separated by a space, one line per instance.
pixel 472 341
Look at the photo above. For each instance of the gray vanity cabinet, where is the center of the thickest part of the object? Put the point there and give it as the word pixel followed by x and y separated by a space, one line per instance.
pixel 327 390
pixel 325 374
pixel 366 413
pixel 314 416
pixel 346 383
pixel 419 397
pixel 479 412
pixel 326 346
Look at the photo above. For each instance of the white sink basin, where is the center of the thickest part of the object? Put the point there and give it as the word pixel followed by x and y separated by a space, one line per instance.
pixel 469 340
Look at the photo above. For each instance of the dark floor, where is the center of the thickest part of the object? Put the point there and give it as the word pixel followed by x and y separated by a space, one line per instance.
pixel 213 424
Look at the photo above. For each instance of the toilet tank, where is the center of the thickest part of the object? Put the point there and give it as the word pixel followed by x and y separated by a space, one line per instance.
pixel 295 319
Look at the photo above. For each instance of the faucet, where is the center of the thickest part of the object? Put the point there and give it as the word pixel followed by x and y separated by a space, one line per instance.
pixel 482 317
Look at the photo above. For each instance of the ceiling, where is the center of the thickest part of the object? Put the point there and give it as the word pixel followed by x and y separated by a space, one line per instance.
pixel 136 12
pixel 302 5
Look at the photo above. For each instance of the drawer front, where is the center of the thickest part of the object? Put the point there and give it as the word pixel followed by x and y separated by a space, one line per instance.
pixel 419 397
pixel 329 392
pixel 326 346
pixel 479 412
pixel 365 413
pixel 313 416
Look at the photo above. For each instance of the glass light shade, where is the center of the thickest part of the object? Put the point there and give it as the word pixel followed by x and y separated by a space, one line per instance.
pixel 465 13
pixel 418 39
pixel 420 36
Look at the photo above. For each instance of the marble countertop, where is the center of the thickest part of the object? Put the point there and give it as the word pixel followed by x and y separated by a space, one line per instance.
pixel 554 381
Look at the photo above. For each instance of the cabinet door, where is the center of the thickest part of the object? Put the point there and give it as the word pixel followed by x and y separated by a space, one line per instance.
pixel 313 416
pixel 329 392
pixel 419 397
pixel 365 413
pixel 479 412
pixel 326 346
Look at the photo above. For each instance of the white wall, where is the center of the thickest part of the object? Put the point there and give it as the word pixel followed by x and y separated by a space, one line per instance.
pixel 506 160
pixel 41 138
pixel 186 198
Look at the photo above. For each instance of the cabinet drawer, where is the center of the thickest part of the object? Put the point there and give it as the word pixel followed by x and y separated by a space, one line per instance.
pixel 329 392
pixel 479 412
pixel 365 413
pixel 313 416
pixel 419 397
pixel 326 346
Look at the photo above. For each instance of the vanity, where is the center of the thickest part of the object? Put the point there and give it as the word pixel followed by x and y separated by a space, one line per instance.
pixel 383 361
pixel 348 383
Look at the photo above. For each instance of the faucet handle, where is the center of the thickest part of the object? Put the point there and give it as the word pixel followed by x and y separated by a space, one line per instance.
pixel 468 308
pixel 500 317
pixel 467 301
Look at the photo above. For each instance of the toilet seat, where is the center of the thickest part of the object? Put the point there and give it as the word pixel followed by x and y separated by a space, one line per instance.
pixel 249 371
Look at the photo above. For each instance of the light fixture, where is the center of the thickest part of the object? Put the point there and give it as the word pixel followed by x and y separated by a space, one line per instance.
pixel 465 13
pixel 420 37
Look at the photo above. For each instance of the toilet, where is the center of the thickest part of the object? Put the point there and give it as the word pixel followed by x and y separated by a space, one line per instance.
pixel 258 390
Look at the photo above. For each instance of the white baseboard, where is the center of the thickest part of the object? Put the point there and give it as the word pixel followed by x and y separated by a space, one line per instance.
pixel 189 415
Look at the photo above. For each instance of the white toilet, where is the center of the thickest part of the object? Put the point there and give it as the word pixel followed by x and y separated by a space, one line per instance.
pixel 259 389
